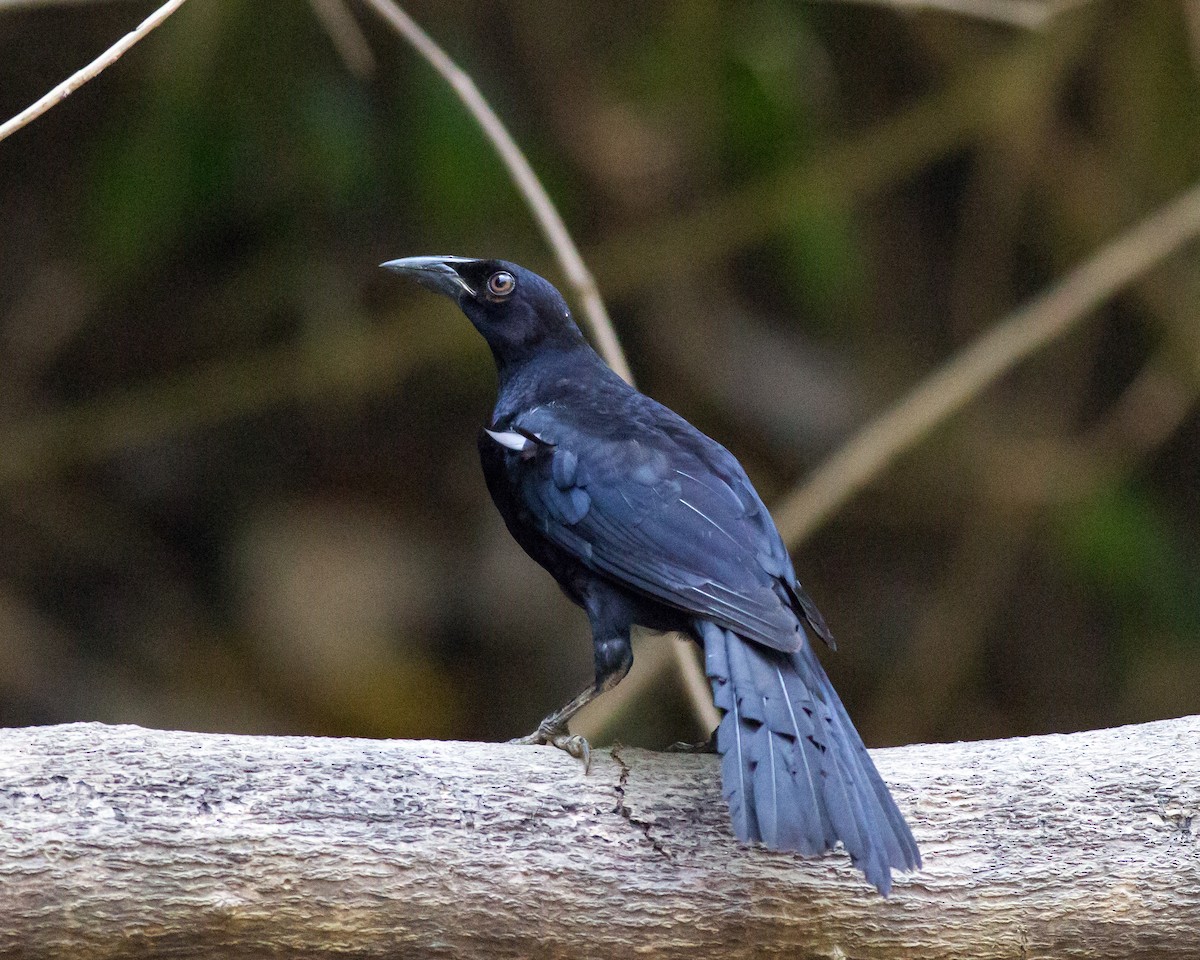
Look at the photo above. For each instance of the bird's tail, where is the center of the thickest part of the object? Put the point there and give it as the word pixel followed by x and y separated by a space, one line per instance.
pixel 795 771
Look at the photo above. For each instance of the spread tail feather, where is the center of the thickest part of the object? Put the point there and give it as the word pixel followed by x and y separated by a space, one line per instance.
pixel 795 771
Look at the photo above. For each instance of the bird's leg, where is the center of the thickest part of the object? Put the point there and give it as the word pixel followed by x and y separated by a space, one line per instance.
pixel 553 729
pixel 614 657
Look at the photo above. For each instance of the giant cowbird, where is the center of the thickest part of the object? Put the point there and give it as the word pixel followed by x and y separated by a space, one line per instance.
pixel 642 519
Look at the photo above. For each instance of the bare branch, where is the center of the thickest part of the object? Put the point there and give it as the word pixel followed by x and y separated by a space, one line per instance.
pixel 346 35
pixel 523 176
pixel 120 841
pixel 971 371
pixel 91 71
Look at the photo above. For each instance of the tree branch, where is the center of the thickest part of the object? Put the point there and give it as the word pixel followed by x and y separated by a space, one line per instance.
pixel 539 202
pixel 980 364
pixel 138 843
pixel 346 35
pixel 90 72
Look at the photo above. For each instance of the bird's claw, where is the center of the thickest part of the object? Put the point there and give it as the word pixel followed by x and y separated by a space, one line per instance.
pixel 704 746
pixel 576 746
pixel 564 740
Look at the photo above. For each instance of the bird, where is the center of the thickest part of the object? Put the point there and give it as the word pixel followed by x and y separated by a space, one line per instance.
pixel 644 520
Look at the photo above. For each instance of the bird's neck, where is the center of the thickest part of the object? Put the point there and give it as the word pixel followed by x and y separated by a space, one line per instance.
pixel 527 378
pixel 517 347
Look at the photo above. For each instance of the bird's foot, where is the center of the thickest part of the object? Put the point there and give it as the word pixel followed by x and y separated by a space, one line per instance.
pixel 704 746
pixel 560 737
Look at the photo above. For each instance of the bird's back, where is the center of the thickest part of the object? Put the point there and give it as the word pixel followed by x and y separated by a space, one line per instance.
pixel 655 486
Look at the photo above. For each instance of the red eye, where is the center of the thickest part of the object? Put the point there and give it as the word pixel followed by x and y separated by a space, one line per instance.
pixel 501 284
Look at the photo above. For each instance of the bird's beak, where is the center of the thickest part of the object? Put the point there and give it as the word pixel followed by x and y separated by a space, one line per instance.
pixel 434 273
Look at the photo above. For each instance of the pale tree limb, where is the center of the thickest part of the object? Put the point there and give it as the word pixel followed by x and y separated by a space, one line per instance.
pixel 980 364
pixel 346 35
pixel 90 72
pixel 119 841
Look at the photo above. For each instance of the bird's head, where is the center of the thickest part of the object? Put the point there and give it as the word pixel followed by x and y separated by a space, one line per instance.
pixel 517 311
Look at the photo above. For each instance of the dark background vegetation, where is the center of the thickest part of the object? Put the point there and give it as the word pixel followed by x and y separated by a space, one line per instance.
pixel 238 483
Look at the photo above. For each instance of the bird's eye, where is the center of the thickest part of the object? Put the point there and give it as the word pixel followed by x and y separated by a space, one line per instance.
pixel 501 284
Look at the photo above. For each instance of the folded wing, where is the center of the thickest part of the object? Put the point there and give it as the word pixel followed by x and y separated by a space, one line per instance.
pixel 670 515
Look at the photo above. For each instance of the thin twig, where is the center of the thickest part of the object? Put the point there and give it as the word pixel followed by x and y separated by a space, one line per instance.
pixel 91 71
pixel 523 176
pixel 996 352
pixel 686 657
pixel 347 36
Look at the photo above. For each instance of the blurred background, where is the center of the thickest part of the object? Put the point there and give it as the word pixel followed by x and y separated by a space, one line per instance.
pixel 238 481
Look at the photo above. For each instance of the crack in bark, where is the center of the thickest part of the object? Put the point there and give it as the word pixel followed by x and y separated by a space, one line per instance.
pixel 623 809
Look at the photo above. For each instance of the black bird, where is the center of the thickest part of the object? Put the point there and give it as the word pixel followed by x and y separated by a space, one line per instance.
pixel 642 519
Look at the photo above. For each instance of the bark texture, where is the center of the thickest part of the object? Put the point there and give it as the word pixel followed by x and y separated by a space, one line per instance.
pixel 125 842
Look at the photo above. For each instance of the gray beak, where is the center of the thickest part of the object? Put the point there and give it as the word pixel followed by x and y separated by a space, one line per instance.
pixel 434 273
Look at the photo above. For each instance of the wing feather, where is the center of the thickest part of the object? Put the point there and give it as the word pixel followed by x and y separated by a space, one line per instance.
pixel 662 518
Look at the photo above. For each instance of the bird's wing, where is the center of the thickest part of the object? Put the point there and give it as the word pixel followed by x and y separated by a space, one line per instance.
pixel 666 512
